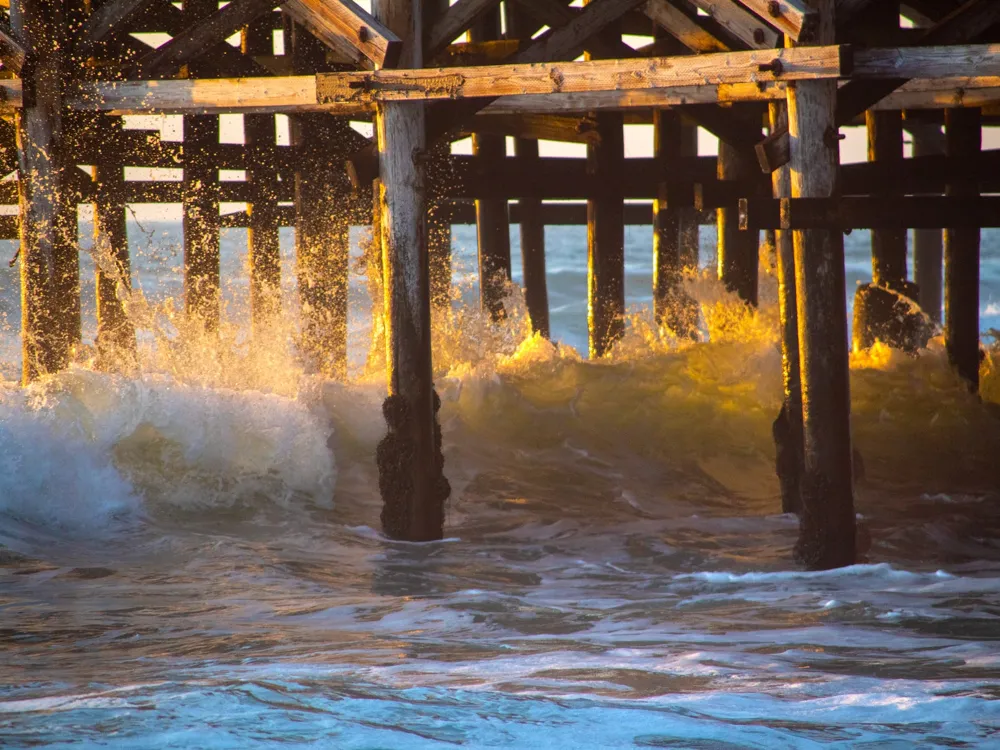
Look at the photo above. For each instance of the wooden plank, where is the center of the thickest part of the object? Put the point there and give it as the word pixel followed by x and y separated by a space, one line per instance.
pixel 580 129
pixel 741 24
pixel 204 96
pixel 202 37
pixel 682 27
pixel 348 29
pixel 556 14
pixel 951 61
pixel 455 21
pixel 362 89
pixel 793 18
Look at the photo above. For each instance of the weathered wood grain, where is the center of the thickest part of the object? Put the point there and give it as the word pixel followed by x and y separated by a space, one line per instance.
pixel 349 30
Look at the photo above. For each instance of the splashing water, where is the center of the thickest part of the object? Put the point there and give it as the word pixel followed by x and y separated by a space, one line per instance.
pixel 189 558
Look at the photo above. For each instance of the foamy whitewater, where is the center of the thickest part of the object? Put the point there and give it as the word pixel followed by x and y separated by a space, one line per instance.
pixel 189 558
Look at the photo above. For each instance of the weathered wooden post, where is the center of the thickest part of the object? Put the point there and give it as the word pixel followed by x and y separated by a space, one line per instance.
pixel 531 224
pixel 263 233
pixel 928 244
pixel 411 476
pixel 322 242
pixel 116 346
pixel 738 266
pixel 827 527
pixel 672 309
pixel 689 225
pixel 438 223
pixel 50 277
pixel 879 313
pixel 787 427
pixel 963 130
pixel 492 224
pixel 532 230
pixel 201 221
pixel 606 229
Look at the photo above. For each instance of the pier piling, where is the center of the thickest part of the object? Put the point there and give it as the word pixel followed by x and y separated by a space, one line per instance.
pixel 410 463
pixel 827 524
pixel 963 131
pixel 737 249
pixel 928 244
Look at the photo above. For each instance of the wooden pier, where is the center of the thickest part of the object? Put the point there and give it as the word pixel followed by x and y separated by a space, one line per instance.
pixel 773 80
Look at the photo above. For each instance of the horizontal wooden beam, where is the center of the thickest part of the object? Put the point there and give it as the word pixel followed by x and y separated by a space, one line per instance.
pixel 349 30
pixel 870 212
pixel 364 89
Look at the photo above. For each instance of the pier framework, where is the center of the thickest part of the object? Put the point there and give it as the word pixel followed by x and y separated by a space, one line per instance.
pixel 772 80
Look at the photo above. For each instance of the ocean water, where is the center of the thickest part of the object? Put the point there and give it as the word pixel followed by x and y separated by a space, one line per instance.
pixel 190 556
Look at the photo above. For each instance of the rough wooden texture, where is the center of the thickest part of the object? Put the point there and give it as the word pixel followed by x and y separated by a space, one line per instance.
pixel 793 18
pixel 262 237
pixel 928 244
pixel 789 464
pixel 202 36
pixel 872 212
pixel 690 229
pixel 201 223
pixel 415 510
pixel 948 61
pixel 827 530
pixel 963 131
pixel 349 30
pixel 12 54
pixel 582 77
pixel 737 249
pixel 50 282
pixel 683 27
pixel 116 344
pixel 741 24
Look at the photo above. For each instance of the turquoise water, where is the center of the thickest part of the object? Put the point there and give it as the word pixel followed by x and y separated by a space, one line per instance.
pixel 191 556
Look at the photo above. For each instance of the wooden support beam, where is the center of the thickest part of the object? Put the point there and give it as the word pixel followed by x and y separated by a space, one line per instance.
pixel 827 523
pixel 965 24
pixel 885 146
pixel 200 199
pixel 690 228
pixel 362 89
pixel 793 18
pixel 741 24
pixel 963 133
pixel 50 276
pixel 606 233
pixel 264 250
pixel 787 428
pixel 201 37
pixel 456 20
pixel 492 226
pixel 108 20
pixel 322 246
pixel 438 181
pixel 669 308
pixel 683 27
pixel 555 14
pixel 872 212
pixel 116 343
pixel 737 255
pixel 12 54
pixel 928 244
pixel 349 30
pixel 410 463
pixel 532 228
pixel 571 129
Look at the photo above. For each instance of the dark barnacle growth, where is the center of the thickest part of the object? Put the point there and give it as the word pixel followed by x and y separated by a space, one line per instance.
pixel 396 457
